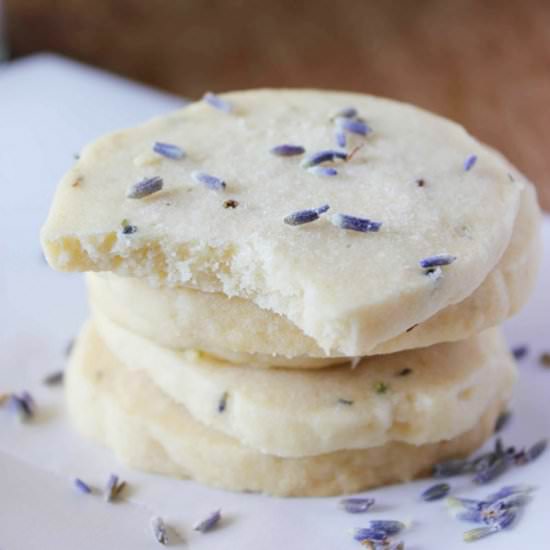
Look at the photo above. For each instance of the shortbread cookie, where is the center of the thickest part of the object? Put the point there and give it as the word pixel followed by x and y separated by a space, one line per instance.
pixel 147 430
pixel 417 396
pixel 239 331
pixel 435 190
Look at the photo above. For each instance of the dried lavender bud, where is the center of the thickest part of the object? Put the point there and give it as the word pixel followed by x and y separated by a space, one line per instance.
pixel 211 182
pixel 209 522
pixel 352 223
pixel 437 260
pixel 305 216
pixel 450 468
pixel 287 150
pixel 348 112
pixel 509 490
pixel 222 403
pixel 230 203
pixel 82 487
pixel 357 505
pixel 323 156
pixel 482 462
pixel 145 187
pixel 323 171
pixel 159 530
pixel 496 469
pixel 21 406
pixel 469 162
pixel 520 352
pixel 217 102
pixel 496 509
pixel 127 228
pixel 381 387
pixel 364 533
pixel 54 378
pixel 436 492
pixel 114 488
pixel 389 526
pixel 353 126
pixel 502 421
pixel 341 139
pixel 168 150
pixel 536 450
pixel 498 525
pixel 347 402
pixel 544 359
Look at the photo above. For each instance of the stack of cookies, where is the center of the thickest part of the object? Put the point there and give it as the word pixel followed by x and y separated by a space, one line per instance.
pixel 293 291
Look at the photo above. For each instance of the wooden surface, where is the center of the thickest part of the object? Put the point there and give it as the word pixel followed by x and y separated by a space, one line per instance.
pixel 483 63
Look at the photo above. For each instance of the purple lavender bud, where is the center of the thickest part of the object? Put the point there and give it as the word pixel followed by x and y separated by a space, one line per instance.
pixel 437 260
pixel 222 403
pixel 145 187
pixel 211 182
pixel 209 522
pixel 287 150
pixel 82 487
pixel 348 112
pixel 536 450
pixel 354 126
pixel 466 503
pixel 352 223
pixel 54 378
pixel 436 492
pixel 389 526
pixel 323 171
pixel 113 488
pixel 496 469
pixel 21 407
pixel 323 156
pixel 469 162
pixel 356 505
pixel 364 533
pixel 520 352
pixel 305 216
pixel 217 102
pixel 509 490
pixel 168 150
pixel 341 139
pixel 502 421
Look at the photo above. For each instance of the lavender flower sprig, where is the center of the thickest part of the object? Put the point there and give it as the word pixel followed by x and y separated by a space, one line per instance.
pixel 145 187
pixel 209 181
pixel 217 102
pixel 209 522
pixel 305 216
pixel 368 534
pixel 168 150
pixel 357 505
pixel 353 223
pixel 54 379
pixel 287 150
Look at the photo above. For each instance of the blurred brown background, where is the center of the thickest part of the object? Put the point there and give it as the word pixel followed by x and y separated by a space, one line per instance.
pixel 485 63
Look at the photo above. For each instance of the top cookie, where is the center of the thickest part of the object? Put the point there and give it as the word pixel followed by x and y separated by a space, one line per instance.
pixel 435 190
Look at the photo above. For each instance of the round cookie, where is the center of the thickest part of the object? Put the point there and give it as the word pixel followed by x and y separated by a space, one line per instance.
pixel 434 189
pixel 239 331
pixel 417 396
pixel 147 430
